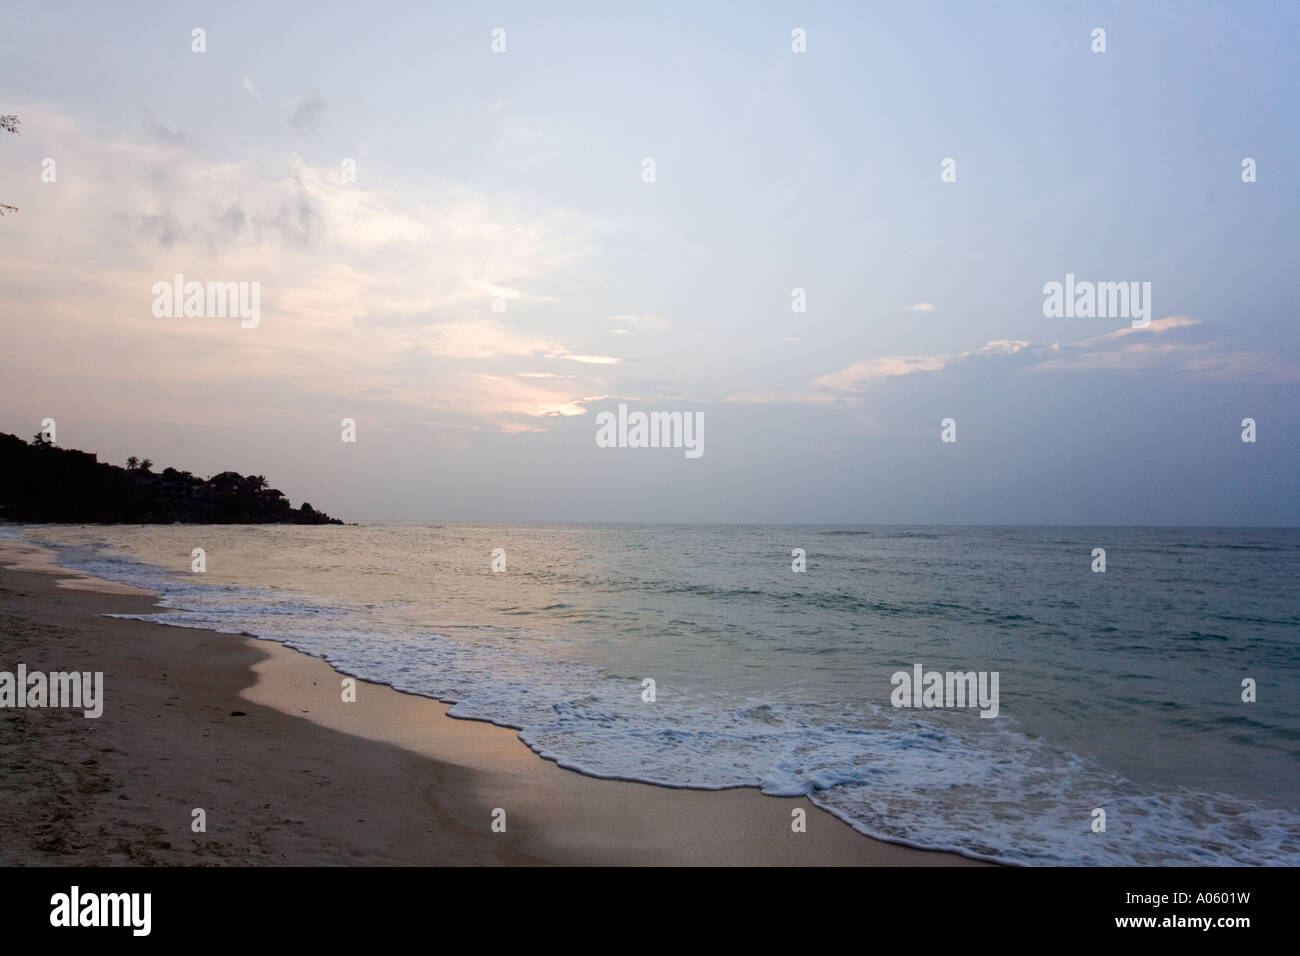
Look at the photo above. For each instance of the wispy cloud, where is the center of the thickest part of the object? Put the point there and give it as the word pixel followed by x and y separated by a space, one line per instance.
pixel 644 323
pixel 780 398
pixel 1170 345
pixel 305 113
pixel 158 131
pixel 373 289
pixel 921 307
pixel 592 359
pixel 1175 345
pixel 862 374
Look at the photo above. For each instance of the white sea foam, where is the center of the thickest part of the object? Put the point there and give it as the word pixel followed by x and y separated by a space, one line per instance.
pixel 935 780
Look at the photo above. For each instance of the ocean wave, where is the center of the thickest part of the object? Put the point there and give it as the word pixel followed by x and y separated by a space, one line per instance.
pixel 937 780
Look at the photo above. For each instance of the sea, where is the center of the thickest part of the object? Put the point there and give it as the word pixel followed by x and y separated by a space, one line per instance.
pixel 1163 692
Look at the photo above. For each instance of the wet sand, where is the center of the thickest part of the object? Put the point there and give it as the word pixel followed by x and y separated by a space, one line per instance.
pixel 258 736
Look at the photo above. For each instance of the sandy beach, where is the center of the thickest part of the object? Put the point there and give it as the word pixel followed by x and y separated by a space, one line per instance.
pixel 258 736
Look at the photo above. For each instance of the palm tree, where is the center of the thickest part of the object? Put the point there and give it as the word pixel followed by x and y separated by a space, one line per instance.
pixel 146 464
pixel 132 463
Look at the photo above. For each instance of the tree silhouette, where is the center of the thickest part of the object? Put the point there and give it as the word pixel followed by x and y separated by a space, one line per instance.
pixel 41 482
pixel 8 123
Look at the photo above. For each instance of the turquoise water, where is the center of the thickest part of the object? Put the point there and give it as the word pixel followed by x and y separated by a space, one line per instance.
pixel 1119 690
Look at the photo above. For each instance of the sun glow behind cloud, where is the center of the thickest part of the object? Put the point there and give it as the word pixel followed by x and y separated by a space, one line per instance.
pixel 367 288
pixel 498 269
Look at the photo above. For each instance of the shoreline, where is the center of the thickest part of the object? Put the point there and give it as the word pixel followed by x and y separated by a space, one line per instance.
pixel 257 735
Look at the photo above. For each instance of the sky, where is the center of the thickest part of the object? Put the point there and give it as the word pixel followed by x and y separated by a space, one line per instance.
pixel 462 250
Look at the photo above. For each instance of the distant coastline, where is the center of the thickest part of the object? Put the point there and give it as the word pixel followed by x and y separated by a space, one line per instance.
pixel 40 482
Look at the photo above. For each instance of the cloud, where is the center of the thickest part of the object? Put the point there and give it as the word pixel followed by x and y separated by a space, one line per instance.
pixel 512 403
pixel 780 398
pixel 160 132
pixel 379 291
pixel 163 227
pixel 921 307
pixel 305 113
pixel 1176 345
pixel 593 359
pixel 861 373
pixel 250 87
pixel 643 322
pixel 483 339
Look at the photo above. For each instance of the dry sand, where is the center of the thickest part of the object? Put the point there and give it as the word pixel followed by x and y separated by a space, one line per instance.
pixel 300 777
